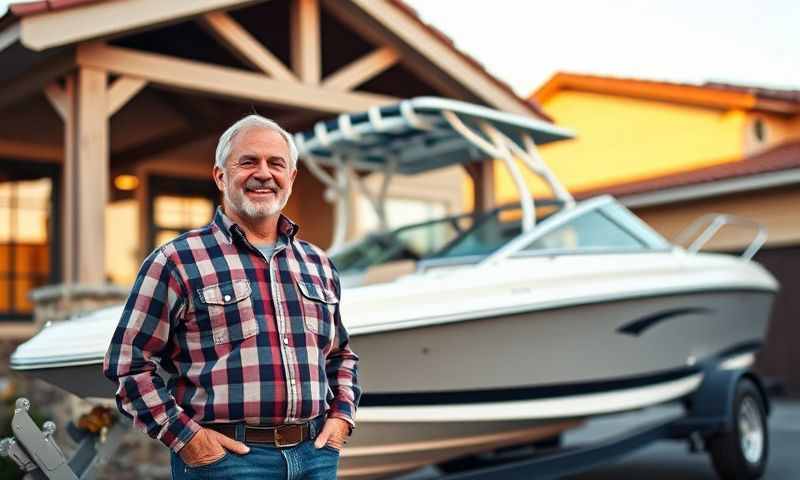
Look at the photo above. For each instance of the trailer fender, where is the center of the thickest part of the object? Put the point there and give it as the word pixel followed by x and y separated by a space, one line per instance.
pixel 716 395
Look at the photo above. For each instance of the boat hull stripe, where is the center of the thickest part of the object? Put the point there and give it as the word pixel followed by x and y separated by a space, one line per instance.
pixel 636 327
pixel 464 397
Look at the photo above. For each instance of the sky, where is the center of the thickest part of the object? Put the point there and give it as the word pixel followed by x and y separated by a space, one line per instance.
pixel 524 42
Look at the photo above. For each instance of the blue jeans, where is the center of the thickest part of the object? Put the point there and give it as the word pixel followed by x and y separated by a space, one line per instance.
pixel 265 462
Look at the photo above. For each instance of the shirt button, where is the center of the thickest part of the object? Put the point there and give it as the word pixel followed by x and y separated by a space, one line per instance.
pixel 285 341
pixel 227 298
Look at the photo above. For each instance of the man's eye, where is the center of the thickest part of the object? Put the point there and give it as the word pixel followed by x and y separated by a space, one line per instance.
pixel 246 162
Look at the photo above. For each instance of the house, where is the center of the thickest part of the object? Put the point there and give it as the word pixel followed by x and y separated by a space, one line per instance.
pixel 110 112
pixel 673 152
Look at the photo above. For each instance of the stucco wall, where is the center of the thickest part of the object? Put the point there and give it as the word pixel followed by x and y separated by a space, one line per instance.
pixel 776 209
pixel 622 139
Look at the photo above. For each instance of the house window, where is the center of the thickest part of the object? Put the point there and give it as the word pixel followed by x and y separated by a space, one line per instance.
pixel 178 205
pixel 26 231
pixel 175 215
pixel 760 130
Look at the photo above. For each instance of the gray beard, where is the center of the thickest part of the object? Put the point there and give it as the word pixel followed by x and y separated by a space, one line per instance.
pixel 256 211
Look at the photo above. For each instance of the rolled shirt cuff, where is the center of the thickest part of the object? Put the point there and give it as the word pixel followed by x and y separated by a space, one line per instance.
pixel 178 431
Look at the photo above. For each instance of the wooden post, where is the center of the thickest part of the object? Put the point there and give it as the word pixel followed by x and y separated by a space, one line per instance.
pixel 482 175
pixel 68 251
pixel 87 169
pixel 85 104
pixel 305 41
pixel 143 201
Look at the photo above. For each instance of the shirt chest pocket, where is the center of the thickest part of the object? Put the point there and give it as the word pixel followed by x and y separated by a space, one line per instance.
pixel 224 312
pixel 319 306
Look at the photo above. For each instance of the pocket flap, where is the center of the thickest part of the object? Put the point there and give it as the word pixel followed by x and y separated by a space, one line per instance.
pixel 225 293
pixel 317 292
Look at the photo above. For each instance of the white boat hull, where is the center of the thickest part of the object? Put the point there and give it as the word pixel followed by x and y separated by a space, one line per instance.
pixel 530 376
pixel 438 392
pixel 563 345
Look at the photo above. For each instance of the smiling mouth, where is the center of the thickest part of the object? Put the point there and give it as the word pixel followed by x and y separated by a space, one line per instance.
pixel 261 191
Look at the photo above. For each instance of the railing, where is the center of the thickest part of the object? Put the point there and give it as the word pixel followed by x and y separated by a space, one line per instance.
pixel 713 222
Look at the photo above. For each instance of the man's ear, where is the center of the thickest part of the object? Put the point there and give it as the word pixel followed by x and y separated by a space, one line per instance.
pixel 219 178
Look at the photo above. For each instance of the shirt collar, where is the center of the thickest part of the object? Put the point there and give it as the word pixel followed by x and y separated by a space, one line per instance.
pixel 286 227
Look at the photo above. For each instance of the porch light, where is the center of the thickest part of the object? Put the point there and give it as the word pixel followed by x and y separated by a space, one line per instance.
pixel 126 182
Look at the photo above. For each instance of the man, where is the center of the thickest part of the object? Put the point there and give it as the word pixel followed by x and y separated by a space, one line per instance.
pixel 244 319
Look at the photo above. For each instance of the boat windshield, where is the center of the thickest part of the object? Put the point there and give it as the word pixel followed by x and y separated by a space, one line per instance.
pixel 466 235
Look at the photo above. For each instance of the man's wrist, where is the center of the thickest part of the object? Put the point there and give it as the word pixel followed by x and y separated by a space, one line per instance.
pixel 340 416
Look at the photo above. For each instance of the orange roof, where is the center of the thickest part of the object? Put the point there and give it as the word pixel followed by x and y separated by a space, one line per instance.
pixel 761 92
pixel 782 157
pixel 712 95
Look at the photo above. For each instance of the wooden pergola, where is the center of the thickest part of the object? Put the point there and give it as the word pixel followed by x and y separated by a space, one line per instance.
pixel 110 68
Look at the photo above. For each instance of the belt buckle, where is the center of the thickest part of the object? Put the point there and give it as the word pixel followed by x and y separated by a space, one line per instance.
pixel 279 438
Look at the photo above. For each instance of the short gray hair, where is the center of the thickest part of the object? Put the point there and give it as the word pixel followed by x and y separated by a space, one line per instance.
pixel 250 121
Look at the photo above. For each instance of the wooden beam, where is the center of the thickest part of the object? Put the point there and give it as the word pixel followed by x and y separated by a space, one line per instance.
pixel 244 46
pixel 100 19
pixel 121 92
pixel 58 99
pixel 91 179
pixel 30 151
pixel 224 81
pixel 305 40
pixel 435 52
pixel 362 69
pixel 415 61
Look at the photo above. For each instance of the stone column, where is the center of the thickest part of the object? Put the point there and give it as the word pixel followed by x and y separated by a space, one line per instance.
pixel 138 457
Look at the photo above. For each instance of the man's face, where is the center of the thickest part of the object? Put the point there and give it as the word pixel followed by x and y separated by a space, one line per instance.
pixel 258 175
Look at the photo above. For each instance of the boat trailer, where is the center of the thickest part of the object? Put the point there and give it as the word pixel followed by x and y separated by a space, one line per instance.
pixel 726 416
pixel 38 455
pixel 718 420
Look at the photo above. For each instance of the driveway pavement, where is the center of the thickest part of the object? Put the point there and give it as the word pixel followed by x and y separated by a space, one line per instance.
pixel 671 460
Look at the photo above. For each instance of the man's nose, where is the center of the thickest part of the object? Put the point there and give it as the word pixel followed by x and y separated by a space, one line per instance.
pixel 262 170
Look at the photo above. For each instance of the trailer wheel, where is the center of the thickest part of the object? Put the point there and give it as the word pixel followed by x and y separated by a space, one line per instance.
pixel 741 453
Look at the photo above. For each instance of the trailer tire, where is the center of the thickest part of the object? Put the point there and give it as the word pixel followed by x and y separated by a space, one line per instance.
pixel 741 453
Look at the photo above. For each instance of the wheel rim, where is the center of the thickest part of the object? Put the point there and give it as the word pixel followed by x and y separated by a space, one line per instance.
pixel 751 430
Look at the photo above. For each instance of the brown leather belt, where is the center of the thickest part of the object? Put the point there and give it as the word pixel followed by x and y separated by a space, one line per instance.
pixel 281 436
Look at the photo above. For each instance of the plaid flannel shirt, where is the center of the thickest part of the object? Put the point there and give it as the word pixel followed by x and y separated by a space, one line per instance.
pixel 240 337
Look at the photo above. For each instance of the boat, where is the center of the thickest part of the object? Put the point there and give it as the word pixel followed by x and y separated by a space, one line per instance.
pixel 515 324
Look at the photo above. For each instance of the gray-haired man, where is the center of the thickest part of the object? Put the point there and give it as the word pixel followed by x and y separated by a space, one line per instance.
pixel 245 318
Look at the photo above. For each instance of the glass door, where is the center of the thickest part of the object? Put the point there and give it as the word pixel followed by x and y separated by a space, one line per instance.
pixel 28 234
